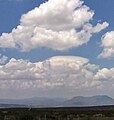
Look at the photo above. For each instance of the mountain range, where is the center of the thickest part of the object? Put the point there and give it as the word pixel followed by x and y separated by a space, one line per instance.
pixel 79 101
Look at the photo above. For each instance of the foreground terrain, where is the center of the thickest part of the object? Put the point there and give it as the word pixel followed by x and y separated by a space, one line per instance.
pixel 66 113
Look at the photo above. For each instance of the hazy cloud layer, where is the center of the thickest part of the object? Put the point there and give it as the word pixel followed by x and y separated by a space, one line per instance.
pixel 59 25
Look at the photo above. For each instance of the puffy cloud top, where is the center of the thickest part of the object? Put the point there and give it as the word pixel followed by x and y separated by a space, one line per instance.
pixel 55 25
pixel 108 45
pixel 3 59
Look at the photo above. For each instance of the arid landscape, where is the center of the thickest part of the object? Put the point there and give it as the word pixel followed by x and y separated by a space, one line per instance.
pixel 68 113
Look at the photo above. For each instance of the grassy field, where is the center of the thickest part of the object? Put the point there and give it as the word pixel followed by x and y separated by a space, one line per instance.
pixel 68 113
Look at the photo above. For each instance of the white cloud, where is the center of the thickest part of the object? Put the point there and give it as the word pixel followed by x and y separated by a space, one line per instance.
pixel 6 41
pixel 61 71
pixel 100 27
pixel 105 74
pixel 3 59
pixel 67 74
pixel 108 45
pixel 17 70
pixel 55 25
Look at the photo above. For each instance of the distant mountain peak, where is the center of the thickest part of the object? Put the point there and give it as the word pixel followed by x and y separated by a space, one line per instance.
pixel 78 101
pixel 97 100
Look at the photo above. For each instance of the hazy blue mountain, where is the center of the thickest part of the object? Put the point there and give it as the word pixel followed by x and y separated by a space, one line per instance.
pixel 98 100
pixel 12 106
pixel 35 101
pixel 78 101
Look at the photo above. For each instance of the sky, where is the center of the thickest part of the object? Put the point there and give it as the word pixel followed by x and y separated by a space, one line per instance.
pixel 56 48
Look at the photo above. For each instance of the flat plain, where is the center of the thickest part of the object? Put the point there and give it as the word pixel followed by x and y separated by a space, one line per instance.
pixel 58 113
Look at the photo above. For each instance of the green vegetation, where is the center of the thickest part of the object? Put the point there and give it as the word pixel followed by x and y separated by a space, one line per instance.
pixel 69 113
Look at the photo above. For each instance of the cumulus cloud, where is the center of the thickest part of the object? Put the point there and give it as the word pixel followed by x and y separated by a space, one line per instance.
pixel 105 74
pixel 3 59
pixel 67 74
pixel 108 45
pixel 59 25
pixel 57 72
pixel 61 71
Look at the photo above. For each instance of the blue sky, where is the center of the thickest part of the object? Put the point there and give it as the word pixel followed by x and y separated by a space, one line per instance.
pixel 10 17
